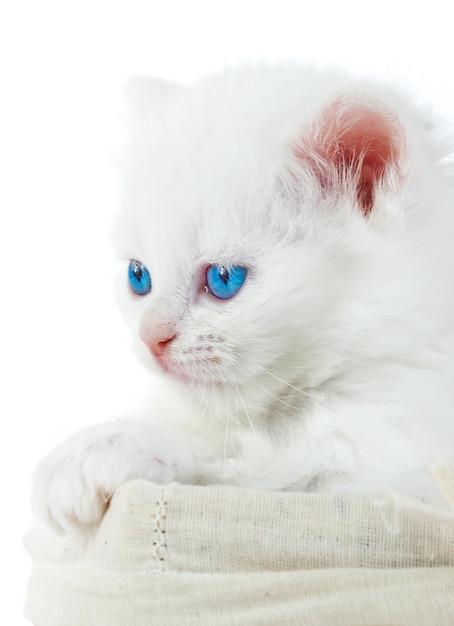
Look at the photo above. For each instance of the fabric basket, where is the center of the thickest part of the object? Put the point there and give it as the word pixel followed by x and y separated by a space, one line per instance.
pixel 194 556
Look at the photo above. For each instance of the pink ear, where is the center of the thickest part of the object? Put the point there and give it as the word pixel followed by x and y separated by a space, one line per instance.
pixel 356 142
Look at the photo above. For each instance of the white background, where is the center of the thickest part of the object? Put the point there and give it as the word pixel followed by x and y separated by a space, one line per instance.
pixel 64 353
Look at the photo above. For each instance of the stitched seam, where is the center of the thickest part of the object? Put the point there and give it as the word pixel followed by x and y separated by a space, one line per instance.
pixel 159 538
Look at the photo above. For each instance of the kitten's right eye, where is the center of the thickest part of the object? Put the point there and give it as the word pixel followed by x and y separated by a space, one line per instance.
pixel 224 283
pixel 139 278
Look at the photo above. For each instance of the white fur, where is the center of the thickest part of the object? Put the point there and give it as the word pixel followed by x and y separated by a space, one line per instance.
pixel 333 365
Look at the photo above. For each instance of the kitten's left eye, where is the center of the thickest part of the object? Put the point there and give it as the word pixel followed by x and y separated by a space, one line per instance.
pixel 139 278
pixel 224 283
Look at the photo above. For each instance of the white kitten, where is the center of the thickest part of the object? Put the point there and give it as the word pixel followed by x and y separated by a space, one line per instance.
pixel 287 240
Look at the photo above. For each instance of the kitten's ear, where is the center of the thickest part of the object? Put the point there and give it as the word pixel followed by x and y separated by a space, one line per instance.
pixel 143 95
pixel 356 143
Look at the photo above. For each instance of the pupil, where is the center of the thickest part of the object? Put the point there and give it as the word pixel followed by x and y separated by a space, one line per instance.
pixel 138 272
pixel 224 275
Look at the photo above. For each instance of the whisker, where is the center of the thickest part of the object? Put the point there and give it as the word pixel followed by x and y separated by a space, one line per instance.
pixel 232 408
pixel 247 413
pixel 302 391
pixel 207 404
pixel 272 395
pixel 226 439
pixel 266 371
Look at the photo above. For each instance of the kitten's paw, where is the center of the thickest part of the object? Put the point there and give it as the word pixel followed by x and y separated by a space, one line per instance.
pixel 73 485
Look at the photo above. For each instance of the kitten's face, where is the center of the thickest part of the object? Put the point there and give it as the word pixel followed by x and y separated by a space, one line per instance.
pixel 238 264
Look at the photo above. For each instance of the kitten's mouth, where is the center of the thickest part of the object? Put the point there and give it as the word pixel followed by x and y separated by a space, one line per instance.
pixel 198 371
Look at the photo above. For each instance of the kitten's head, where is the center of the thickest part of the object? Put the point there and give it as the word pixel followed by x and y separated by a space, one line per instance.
pixel 261 219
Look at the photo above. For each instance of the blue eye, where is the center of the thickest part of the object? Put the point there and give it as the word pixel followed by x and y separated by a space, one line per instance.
pixel 225 283
pixel 139 278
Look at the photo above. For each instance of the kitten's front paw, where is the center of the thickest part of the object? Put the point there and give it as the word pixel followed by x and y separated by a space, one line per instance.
pixel 73 485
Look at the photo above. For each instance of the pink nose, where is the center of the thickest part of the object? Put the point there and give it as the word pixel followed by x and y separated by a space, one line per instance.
pixel 157 338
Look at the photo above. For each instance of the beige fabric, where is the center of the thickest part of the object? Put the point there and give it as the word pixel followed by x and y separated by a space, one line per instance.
pixel 194 556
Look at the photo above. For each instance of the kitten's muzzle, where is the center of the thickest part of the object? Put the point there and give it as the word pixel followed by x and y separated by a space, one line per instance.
pixel 157 338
